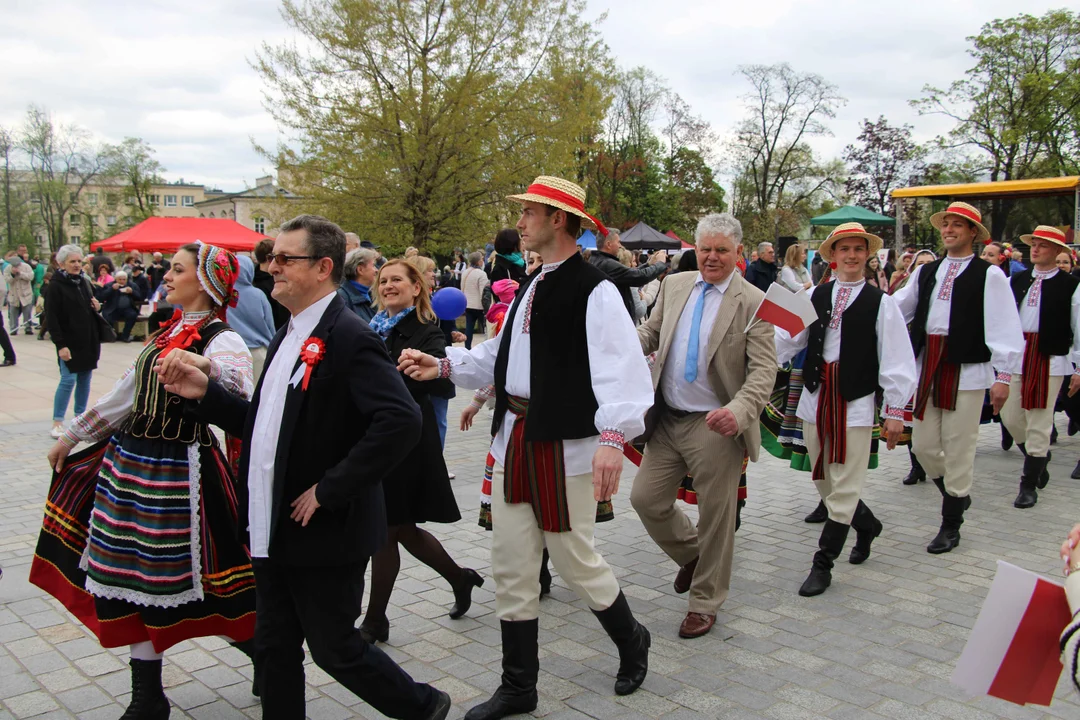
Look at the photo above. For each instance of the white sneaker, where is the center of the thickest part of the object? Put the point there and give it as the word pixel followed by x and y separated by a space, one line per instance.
pixel 57 431
pixel 451 475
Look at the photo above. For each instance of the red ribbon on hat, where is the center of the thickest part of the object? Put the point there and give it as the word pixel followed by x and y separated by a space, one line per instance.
pixel 1056 236
pixel 313 352
pixel 964 212
pixel 567 199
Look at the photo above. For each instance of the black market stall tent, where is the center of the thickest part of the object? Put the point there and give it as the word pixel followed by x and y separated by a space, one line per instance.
pixel 643 237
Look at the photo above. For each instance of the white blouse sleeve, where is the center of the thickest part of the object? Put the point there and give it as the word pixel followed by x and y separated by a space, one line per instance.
pixel 1074 352
pixel 897 374
pixel 107 414
pixel 230 363
pixel 787 346
pixel 621 380
pixel 475 369
pixel 907 297
pixel 1001 321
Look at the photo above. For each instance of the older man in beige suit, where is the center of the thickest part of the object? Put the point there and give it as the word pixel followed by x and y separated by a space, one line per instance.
pixel 712 378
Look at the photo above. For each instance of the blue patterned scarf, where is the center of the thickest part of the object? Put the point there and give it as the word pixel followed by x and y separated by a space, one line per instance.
pixel 382 323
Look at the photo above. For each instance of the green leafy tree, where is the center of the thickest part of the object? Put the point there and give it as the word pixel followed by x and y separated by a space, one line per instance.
pixel 18 220
pixel 131 166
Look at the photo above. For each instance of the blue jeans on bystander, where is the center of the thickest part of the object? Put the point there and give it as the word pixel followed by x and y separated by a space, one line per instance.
pixel 80 382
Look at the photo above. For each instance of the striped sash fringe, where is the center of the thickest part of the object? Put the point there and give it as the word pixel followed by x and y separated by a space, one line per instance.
pixel 535 473
pixel 938 375
pixel 1035 382
pixel 831 420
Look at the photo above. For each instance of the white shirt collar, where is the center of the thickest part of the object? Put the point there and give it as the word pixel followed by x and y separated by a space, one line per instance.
pixel 1044 274
pixel 721 286
pixel 960 259
pixel 852 285
pixel 309 317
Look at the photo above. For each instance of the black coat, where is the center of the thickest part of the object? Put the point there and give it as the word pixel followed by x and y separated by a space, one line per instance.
pixel 112 300
pixel 761 274
pixel 624 277
pixel 419 490
pixel 265 282
pixel 503 269
pixel 346 433
pixel 72 322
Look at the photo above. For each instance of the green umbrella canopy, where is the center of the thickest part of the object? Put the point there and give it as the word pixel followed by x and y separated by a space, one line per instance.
pixel 852 213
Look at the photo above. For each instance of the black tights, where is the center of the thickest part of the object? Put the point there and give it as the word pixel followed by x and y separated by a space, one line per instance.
pixel 385 564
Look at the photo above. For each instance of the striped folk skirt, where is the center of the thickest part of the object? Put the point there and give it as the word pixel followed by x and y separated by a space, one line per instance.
pixel 140 543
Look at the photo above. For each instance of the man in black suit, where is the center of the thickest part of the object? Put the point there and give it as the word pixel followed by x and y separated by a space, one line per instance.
pixel 329 421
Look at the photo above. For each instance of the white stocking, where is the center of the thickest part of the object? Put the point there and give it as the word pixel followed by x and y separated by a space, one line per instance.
pixel 145 651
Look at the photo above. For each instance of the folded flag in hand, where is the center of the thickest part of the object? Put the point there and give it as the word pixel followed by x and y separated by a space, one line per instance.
pixel 1013 652
pixel 793 312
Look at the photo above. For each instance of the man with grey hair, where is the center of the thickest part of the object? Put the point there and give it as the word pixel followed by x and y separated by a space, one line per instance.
pixel 352 242
pixel 359 277
pixel 605 259
pixel 761 273
pixel 120 302
pixel 713 374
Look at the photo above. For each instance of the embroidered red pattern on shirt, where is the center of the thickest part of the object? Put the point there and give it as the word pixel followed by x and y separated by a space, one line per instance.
pixel 952 269
pixel 842 295
pixel 612 437
pixel 528 305
pixel 1035 293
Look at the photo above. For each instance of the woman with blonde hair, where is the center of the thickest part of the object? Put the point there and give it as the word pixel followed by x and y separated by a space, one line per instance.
pixel 426 267
pixel 421 491
pixel 794 275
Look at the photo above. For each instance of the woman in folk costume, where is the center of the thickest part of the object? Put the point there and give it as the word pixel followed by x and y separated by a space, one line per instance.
pixel 140 536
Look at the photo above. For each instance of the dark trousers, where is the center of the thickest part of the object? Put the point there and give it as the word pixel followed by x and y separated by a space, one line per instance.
pixel 321 605
pixel 5 343
pixel 129 316
pixel 472 317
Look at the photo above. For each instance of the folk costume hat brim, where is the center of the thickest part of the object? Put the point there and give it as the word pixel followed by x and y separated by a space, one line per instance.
pixel 965 211
pixel 1048 233
pixel 845 231
pixel 561 194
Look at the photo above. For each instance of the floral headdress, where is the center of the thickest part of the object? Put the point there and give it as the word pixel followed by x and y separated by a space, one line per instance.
pixel 217 270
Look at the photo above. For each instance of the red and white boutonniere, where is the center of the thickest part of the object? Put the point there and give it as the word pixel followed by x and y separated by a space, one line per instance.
pixel 313 352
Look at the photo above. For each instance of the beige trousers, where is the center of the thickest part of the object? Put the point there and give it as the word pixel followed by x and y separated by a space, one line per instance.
pixel 1030 427
pixel 678 447
pixel 258 362
pixel 944 441
pixel 843 482
pixel 517 548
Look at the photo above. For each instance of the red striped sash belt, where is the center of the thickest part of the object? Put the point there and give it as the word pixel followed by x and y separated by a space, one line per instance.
pixel 938 375
pixel 1035 382
pixel 535 473
pixel 831 420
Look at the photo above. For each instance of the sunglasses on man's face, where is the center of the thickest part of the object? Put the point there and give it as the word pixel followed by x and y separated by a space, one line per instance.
pixel 284 259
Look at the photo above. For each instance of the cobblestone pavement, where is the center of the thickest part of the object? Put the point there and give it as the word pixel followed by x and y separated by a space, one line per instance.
pixel 880 643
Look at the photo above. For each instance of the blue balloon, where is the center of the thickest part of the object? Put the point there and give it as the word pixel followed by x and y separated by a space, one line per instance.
pixel 448 303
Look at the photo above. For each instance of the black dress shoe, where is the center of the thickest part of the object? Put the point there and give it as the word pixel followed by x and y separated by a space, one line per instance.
pixel 7 363
pixel 1026 498
pixel 1074 427
pixel 440 706
pixel 819 515
pixel 463 592
pixel 1006 438
pixel 1076 471
pixel 375 630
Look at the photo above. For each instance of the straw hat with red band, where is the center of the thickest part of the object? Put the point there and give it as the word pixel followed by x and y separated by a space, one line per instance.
pixel 969 213
pixel 1048 233
pixel 845 231
pixel 561 194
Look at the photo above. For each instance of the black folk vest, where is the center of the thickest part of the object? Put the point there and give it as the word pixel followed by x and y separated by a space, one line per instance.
pixel 562 405
pixel 858 342
pixel 1055 309
pixel 967 325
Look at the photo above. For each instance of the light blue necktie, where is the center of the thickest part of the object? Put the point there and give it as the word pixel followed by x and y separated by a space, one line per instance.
pixel 690 372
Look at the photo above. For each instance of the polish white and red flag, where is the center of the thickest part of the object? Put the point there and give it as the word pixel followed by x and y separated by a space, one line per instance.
pixel 1013 652
pixel 793 312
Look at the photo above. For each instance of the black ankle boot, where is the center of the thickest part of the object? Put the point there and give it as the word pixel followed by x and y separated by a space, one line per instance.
pixel 1044 474
pixel 1053 434
pixel 738 514
pixel 521 665
pixel 1076 471
pixel 463 592
pixel 917 474
pixel 819 515
pixel 148 701
pixel 375 629
pixel 633 640
pixel 830 545
pixel 867 528
pixel 1029 480
pixel 1006 438
pixel 952 517
pixel 545 575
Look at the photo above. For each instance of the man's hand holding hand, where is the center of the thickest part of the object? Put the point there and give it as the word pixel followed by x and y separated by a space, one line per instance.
pixel 418 365
pixel 893 429
pixel 999 393
pixel 722 421
pixel 467 416
pixel 182 374
pixel 606 471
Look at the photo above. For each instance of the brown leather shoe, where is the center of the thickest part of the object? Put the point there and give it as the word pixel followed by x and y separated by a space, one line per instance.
pixel 696 625
pixel 685 576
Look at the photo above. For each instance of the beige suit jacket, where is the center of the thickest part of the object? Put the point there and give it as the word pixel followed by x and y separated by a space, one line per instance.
pixel 742 365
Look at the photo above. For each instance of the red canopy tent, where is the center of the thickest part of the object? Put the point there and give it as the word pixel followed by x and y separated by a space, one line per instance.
pixel 159 234
pixel 673 236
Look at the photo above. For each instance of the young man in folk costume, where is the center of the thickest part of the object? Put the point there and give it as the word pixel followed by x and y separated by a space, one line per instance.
pixel 858 344
pixel 571 386
pixel 963 328
pixel 1049 304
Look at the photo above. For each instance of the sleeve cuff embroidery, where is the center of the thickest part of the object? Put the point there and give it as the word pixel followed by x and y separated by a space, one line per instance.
pixel 1003 377
pixel 444 368
pixel 893 413
pixel 612 438
pixel 215 370
pixel 68 440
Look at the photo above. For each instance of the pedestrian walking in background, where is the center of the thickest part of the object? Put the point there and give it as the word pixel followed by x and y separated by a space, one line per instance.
pixel 473 282
pixel 761 273
pixel 508 264
pixel 20 296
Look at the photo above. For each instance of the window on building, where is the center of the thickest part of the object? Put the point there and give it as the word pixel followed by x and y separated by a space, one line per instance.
pixel 74 219
pixel 35 196
pixel 260 225
pixel 187 200
pixel 91 198
pixel 111 220
pixel 73 198
pixel 155 199
pixel 170 201
pixel 211 213
pixel 130 200
pixel 202 215
pixel 75 239
pixel 111 199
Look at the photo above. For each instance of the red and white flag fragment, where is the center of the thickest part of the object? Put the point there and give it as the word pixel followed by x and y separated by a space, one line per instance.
pixel 1013 652
pixel 793 312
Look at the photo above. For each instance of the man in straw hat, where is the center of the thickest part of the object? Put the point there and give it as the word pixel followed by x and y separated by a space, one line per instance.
pixel 712 377
pixel 570 388
pixel 858 344
pixel 963 327
pixel 1049 305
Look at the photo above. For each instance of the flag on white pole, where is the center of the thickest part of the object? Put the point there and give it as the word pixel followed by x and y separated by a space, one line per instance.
pixel 1013 652
pixel 793 312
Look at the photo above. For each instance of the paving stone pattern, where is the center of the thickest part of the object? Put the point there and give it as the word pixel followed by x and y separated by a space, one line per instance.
pixel 880 643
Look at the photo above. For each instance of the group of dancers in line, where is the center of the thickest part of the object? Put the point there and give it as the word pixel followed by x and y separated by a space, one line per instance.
pixel 140 541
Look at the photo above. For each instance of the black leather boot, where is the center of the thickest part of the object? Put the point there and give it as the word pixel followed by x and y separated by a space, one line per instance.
pixel 952 517
pixel 738 514
pixel 545 575
pixel 1076 471
pixel 1044 474
pixel 1028 495
pixel 1006 438
pixel 940 483
pixel 917 474
pixel 521 665
pixel 1053 434
pixel 463 592
pixel 830 545
pixel 148 701
pixel 819 515
pixel 867 527
pixel 633 640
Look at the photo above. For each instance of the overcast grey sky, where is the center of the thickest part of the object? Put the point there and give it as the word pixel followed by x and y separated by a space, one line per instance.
pixel 177 73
